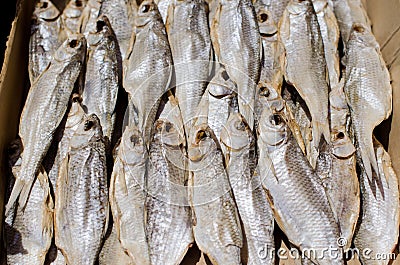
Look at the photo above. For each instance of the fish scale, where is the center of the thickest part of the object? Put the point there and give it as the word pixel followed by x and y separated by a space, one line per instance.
pixel 168 214
pixel 112 251
pixel 82 195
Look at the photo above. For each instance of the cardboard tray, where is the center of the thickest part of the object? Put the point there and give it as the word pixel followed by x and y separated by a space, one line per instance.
pixel 14 82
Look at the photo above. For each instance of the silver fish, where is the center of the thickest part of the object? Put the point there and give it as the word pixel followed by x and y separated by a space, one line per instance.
pixel 71 16
pixel 121 14
pixel 89 18
pixel 47 101
pixel 368 91
pixel 45 37
pixel 330 37
pixel 103 75
pixel 305 63
pixel 128 195
pixel 82 196
pixel 254 209
pixel 112 251
pixel 190 42
pixel 148 69
pixel 167 208
pixel 292 185
pixel 28 232
pixel 378 226
pixel 237 43
pixel 216 227
pixel 348 13
pixel 75 117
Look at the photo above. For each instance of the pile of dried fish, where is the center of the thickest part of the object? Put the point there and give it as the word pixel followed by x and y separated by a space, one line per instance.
pixel 154 126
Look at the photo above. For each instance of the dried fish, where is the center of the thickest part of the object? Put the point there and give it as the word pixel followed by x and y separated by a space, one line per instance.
pixel 82 196
pixel 292 185
pixel 121 14
pixel 305 66
pixel 167 206
pixel 189 37
pixel 88 20
pixel 112 251
pixel 128 195
pixel 237 43
pixel 254 209
pixel 216 227
pixel 47 102
pixel 378 226
pixel 28 232
pixel 103 75
pixel 368 92
pixel 45 38
pixel 148 69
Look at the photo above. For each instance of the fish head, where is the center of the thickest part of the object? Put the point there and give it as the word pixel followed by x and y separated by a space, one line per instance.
pixel 273 129
pixel 266 23
pixel 236 135
pixel 72 49
pixel 76 112
pixel 342 146
pixel 221 84
pixel 74 8
pixel 103 35
pixel 362 34
pixel 147 12
pixel 298 7
pixel 45 9
pixel 88 131
pixel 132 147
pixel 269 96
pixel 168 134
pixel 202 142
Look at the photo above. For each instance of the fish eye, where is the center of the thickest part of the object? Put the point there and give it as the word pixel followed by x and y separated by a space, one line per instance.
pixel 44 5
pixel 276 119
pixel 88 125
pixel 340 135
pixel 145 9
pixel 265 91
pixel 78 3
pixel 240 125
pixel 263 17
pixel 73 43
pixel 359 28
pixel 134 139
pixel 168 127
pixel 201 135
pixel 76 98
pixel 100 25
pixel 225 75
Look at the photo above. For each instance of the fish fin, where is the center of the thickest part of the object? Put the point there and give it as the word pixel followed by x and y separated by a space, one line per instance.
pixel 320 129
pixel 368 158
pixel 247 113
pixel 18 185
pixel 48 205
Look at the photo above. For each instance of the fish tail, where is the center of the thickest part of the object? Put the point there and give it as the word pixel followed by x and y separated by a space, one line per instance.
pixel 368 158
pixel 15 193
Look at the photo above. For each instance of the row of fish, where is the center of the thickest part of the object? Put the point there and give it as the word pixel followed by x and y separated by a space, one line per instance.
pixel 240 115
